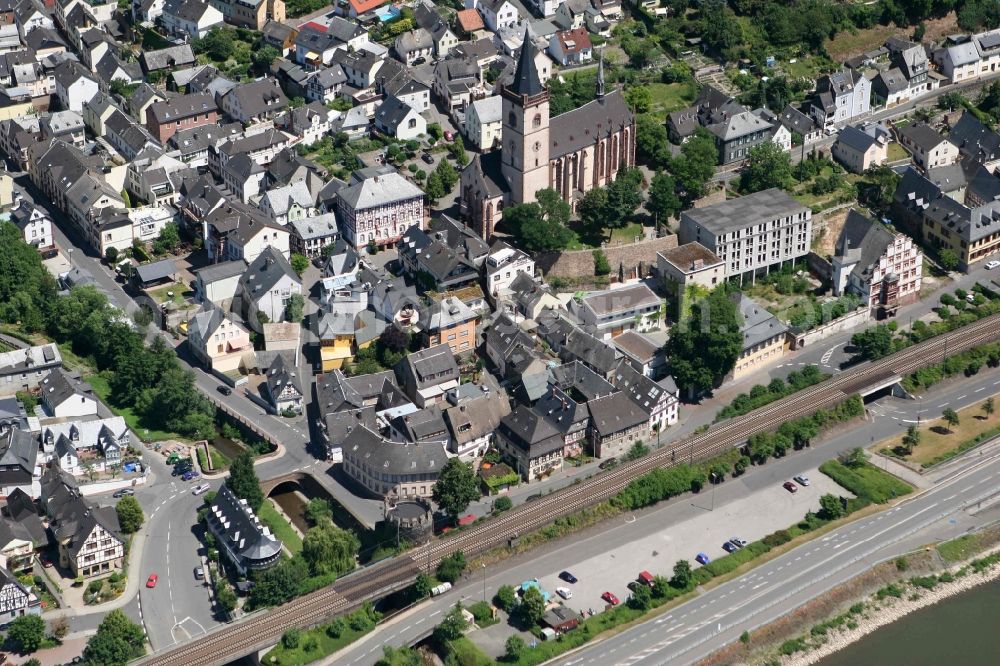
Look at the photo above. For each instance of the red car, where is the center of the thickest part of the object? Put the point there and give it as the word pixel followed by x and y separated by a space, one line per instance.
pixel 151 581
pixel 790 487
pixel 610 598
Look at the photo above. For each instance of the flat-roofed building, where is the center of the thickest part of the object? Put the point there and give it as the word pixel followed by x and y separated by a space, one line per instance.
pixel 751 234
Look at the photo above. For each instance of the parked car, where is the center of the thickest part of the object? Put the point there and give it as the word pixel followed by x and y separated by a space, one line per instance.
pixel 427 158
pixel 190 474
pixel 801 479
pixel 224 390
pixel 568 577
pixel 702 558
pixel 449 135
pixel 609 463
pixel 199 573
pixel 992 264
pixel 564 592
pixel 738 542
pixel 440 589
pixel 47 563
pixel 790 487
pixel 610 598
pixel 199 489
pixel 419 61
pixel 151 581
pixel 730 547
pixel 970 298
pixel 123 492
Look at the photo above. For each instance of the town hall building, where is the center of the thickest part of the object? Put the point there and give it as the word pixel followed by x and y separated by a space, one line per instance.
pixel 574 153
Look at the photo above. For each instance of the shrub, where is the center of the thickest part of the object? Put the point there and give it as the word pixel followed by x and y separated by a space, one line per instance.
pixel 290 639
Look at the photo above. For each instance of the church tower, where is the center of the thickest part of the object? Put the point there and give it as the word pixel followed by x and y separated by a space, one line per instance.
pixel 525 150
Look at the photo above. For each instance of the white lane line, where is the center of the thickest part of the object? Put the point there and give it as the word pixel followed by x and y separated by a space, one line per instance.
pixel 951 497
pixel 842 543
pixel 962 397
pixel 943 404
pixel 982 388
pixel 967 489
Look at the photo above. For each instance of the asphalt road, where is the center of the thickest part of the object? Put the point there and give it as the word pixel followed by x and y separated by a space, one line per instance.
pixel 580 550
pixel 718 616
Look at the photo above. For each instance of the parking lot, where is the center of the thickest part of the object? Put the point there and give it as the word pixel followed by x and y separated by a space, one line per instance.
pixel 750 518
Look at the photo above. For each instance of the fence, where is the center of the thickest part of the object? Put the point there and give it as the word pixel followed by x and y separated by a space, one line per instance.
pixel 860 316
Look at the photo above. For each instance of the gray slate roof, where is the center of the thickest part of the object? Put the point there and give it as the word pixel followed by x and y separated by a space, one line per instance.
pixel 745 211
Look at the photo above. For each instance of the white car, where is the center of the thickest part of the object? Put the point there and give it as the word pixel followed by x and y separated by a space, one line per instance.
pixel 564 592
pixel 198 490
pixel 992 264
pixel 801 479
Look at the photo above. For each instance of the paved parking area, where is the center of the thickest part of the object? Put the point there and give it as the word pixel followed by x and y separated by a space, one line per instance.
pixel 750 518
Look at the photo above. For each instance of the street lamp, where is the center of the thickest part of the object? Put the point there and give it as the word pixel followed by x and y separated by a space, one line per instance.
pixel 484 582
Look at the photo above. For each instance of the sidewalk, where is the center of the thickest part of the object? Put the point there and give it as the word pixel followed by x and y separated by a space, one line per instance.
pixel 71 647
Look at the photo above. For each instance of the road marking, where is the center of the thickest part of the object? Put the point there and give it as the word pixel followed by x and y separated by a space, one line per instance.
pixel 962 397
pixel 434 613
pixel 982 388
pixel 951 497
pixel 421 620
pixel 943 404
pixel 842 543
pixel 967 489
pixel 758 585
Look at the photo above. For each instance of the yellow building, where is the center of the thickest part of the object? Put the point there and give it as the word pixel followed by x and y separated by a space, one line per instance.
pixel 764 339
pixel 335 331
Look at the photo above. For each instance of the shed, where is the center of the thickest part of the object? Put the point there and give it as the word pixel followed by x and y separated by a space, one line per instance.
pixel 158 272
pixel 561 619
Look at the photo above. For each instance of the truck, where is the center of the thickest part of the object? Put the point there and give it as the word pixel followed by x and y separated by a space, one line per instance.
pixel 440 589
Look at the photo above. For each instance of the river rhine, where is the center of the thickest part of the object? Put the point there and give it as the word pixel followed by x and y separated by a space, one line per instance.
pixel 961 630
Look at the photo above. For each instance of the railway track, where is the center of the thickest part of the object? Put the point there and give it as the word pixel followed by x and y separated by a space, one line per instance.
pixel 370 583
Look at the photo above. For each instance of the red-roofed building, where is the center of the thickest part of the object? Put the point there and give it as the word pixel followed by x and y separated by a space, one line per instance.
pixel 318 27
pixel 359 7
pixel 471 22
pixel 571 47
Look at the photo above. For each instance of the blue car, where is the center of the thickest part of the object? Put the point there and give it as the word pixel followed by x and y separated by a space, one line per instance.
pixel 189 475
pixel 702 558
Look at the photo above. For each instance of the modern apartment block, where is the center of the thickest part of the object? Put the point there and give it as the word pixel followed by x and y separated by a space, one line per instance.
pixel 751 234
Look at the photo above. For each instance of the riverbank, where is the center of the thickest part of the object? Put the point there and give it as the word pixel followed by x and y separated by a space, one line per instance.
pixel 896 609
pixel 883 594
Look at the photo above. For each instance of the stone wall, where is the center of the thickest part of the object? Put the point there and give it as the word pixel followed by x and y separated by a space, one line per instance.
pixel 579 264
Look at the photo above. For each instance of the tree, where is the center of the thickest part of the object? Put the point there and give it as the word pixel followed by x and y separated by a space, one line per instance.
pixel 422 586
pixel 168 240
pixel 873 343
pixel 639 98
pixel 535 231
pixel 394 339
pixel 318 511
pixel 295 307
pixel 855 458
pixel 455 488
pixel 505 598
pixel 532 606
pixel 948 259
pixel 451 567
pixel 130 516
pixel 696 164
pixel 218 44
pixel 950 417
pixel 651 142
pixel 911 439
pixel 111 255
pixel 451 627
pixel 263 57
pixel 663 200
pixel 26 633
pixel 118 640
pixel 224 595
pixel 642 598
pixel 457 150
pixel 502 504
pixel 434 188
pixel 593 208
pixel 683 576
pixel 299 263
pixel 624 197
pixel 243 480
pixel 703 348
pixel 768 166
pixel 830 507
pixel 514 647
pixel 328 250
pixel 988 407
pixel 878 186
pixel 601 265
pixel 327 549
pixel 449 177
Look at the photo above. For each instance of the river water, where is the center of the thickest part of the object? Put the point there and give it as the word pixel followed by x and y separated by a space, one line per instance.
pixel 961 630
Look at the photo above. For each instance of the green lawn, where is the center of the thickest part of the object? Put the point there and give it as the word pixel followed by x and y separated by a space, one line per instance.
pixel 959 549
pixel 868 482
pixel 669 97
pixel 468 653
pixel 103 391
pixel 586 239
pixel 321 642
pixel 219 461
pixel 280 527
pixel 896 152
pixel 180 293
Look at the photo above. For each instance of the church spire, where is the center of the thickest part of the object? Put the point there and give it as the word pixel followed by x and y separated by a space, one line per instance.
pixel 526 81
pixel 600 77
